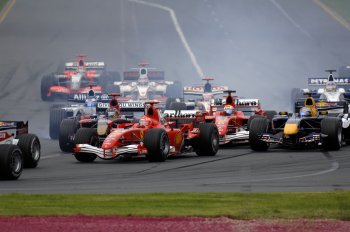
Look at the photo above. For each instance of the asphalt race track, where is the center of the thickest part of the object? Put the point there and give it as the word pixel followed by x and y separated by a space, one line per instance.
pixel 260 48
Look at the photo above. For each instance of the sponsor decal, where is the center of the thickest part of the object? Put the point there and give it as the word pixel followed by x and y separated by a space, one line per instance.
pixel 7 124
pixel 3 135
pixel 323 81
pixel 131 104
pixel 102 105
pixel 84 96
pixel 254 102
pixel 194 88
pixel 142 134
pixel 180 113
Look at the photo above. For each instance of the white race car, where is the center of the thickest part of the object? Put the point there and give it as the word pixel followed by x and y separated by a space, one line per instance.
pixel 330 96
pixel 143 84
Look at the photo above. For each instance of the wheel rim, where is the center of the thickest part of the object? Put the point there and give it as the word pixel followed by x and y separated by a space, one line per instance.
pixel 215 142
pixel 35 150
pixel 340 136
pixel 164 145
pixel 16 162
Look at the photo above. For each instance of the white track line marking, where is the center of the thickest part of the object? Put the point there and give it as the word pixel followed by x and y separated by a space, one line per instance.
pixel 333 14
pixel 290 18
pixel 179 31
pixel 7 10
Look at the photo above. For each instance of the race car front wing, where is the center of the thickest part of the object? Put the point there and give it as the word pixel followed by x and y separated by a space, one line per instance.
pixel 106 154
pixel 237 137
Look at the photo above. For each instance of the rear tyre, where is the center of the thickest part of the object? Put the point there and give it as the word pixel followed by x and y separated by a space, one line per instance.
pixel 68 128
pixel 46 83
pixel 258 127
pixel 56 117
pixel 157 143
pixel 208 140
pixel 86 136
pixel 178 106
pixel 333 129
pixel 30 147
pixel 11 162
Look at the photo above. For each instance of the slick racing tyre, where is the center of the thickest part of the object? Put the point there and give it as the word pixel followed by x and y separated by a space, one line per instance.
pixel 56 117
pixel 68 128
pixel 251 119
pixel 86 136
pixel 11 162
pixel 31 149
pixel 208 140
pixel 333 129
pixel 157 143
pixel 46 83
pixel 178 106
pixel 258 126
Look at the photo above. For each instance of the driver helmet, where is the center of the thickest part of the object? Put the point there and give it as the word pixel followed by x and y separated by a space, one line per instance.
pixel 229 109
pixel 90 106
pixel 331 87
pixel 305 112
pixel 113 113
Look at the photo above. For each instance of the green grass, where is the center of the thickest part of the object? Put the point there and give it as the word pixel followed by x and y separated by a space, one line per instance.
pixel 334 205
pixel 341 7
pixel 2 3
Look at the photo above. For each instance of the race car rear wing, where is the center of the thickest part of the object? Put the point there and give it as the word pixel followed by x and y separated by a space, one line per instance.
pixel 81 97
pixel 13 125
pixel 322 81
pixel 151 74
pixel 124 106
pixel 199 90
pixel 180 113
pixel 21 127
pixel 88 65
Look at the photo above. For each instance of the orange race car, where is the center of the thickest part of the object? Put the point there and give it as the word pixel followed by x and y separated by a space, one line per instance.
pixel 76 78
pixel 152 136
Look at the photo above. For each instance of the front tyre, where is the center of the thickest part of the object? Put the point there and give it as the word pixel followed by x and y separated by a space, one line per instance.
pixel 332 128
pixel 157 143
pixel 30 147
pixel 11 162
pixel 258 127
pixel 86 136
pixel 68 128
pixel 208 140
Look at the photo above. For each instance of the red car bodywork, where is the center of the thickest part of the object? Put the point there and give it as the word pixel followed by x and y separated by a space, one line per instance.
pixel 117 137
pixel 233 128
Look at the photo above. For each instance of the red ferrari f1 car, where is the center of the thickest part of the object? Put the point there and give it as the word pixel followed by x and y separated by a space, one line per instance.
pixel 153 136
pixel 234 116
